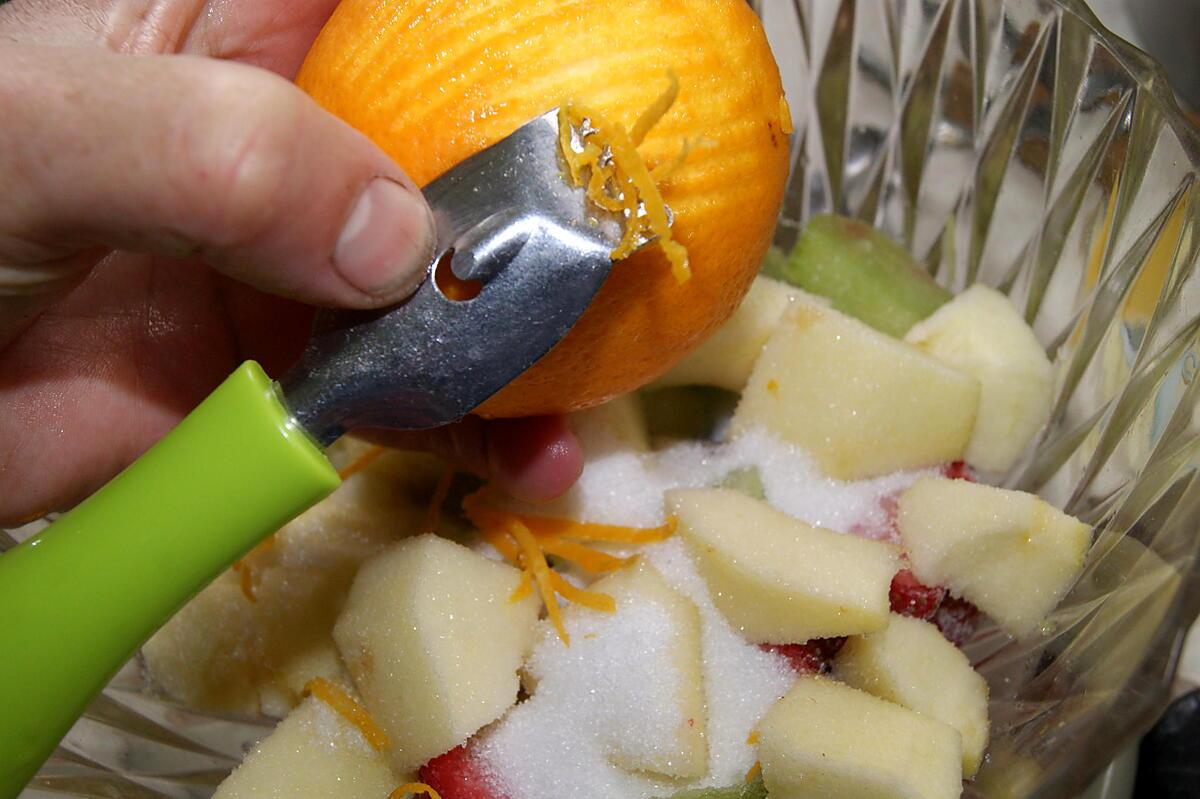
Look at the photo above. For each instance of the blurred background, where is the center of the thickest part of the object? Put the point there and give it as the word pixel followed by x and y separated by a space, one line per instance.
pixel 1169 30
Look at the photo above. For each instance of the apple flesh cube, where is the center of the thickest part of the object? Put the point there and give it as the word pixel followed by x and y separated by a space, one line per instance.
pixel 683 753
pixel 726 359
pixel 980 333
pixel 312 752
pixel 778 580
pixel 864 273
pixel 1011 554
pixel 824 740
pixel 860 402
pixel 433 643
pixel 912 664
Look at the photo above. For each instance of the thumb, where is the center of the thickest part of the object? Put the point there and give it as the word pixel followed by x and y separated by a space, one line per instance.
pixel 188 156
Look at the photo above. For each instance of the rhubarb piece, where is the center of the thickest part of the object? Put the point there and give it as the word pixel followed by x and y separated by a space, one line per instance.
pixel 687 412
pixel 958 620
pixel 910 597
pixel 812 657
pixel 864 273
pixel 461 774
pixel 747 481
pixel 752 788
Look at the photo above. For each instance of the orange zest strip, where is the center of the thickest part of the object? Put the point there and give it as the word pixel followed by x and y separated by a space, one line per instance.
pixel 481 514
pixel 639 185
pixel 361 462
pixel 545 526
pixel 433 514
pixel 662 173
pixel 536 563
pixel 410 788
pixel 523 589
pixel 589 559
pixel 349 709
pixel 245 574
pixel 785 117
pixel 588 599
pixel 618 178
pixel 753 772
pixel 657 110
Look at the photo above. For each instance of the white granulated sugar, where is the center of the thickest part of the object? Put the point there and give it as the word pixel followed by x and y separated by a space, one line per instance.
pixel 741 681
pixel 613 687
pixel 624 486
pixel 793 484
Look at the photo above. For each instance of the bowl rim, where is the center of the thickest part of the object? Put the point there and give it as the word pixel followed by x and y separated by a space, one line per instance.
pixel 1147 71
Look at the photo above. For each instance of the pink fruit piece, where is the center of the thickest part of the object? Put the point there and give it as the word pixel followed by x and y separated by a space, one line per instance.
pixel 959 470
pixel 812 657
pixel 957 619
pixel 461 774
pixel 887 529
pixel 911 597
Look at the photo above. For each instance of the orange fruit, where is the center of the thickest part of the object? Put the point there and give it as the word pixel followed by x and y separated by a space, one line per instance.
pixel 435 81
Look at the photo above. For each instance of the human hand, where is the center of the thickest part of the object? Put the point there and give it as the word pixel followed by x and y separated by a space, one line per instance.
pixel 172 206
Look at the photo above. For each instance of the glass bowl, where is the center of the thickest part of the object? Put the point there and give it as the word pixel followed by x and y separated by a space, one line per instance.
pixel 1013 142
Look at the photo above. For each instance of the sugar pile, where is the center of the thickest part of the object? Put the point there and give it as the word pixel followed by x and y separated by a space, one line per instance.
pixel 614 684
pixel 622 486
pixel 614 688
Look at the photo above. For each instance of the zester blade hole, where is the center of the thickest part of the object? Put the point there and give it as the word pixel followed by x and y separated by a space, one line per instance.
pixel 451 285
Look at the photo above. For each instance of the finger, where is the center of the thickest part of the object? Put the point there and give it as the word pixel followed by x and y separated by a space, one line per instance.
pixel 178 155
pixel 534 459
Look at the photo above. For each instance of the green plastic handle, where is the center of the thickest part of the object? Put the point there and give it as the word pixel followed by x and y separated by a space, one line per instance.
pixel 78 600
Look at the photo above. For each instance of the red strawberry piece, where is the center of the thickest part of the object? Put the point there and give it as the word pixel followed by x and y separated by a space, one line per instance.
pixel 812 657
pixel 911 597
pixel 957 619
pixel 959 470
pixel 461 774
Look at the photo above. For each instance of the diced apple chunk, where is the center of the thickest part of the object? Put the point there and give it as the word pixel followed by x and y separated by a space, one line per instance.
pixel 433 643
pixel 912 664
pixel 312 752
pixel 980 333
pixel 682 751
pixel 860 402
pixel 778 580
pixel 726 359
pixel 825 740
pixel 1010 553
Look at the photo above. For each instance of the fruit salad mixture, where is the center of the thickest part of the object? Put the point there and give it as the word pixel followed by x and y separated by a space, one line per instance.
pixel 759 586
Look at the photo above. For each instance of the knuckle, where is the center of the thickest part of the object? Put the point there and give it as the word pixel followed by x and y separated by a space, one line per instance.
pixel 239 152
